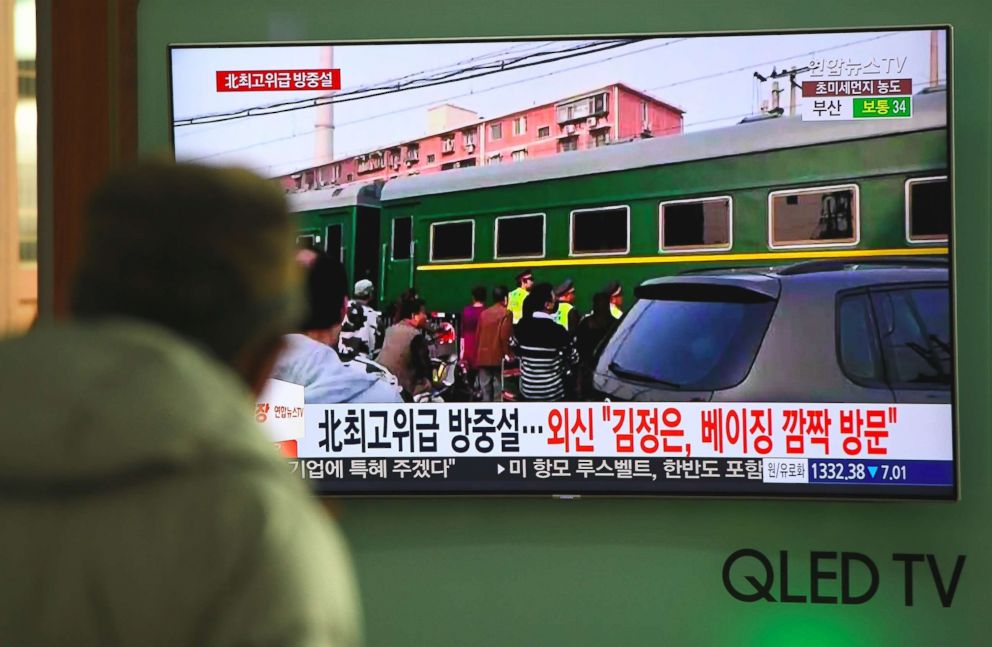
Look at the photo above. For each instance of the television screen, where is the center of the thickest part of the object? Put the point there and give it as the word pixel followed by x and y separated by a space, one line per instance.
pixel 692 265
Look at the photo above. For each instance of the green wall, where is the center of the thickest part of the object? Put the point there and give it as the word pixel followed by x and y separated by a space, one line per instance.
pixel 496 571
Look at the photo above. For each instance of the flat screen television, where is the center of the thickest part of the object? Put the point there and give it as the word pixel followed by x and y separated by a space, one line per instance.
pixel 726 258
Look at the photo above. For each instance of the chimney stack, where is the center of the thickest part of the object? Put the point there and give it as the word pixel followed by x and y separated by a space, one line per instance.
pixel 323 125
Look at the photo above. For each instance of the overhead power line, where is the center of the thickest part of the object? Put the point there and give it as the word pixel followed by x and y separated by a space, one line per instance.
pixel 461 74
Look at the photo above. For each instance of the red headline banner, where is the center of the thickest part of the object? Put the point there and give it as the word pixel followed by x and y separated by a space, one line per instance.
pixel 277 80
pixel 858 88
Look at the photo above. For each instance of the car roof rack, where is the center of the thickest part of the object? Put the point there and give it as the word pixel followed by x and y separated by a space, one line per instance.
pixel 822 265
pixel 735 269
pixel 837 264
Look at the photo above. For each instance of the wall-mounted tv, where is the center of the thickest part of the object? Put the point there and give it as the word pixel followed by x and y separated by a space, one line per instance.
pixel 617 265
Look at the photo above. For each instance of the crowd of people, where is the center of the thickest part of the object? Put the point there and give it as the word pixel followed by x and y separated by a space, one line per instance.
pixel 539 326
pixel 534 327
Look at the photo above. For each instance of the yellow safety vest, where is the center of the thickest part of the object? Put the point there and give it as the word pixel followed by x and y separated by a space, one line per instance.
pixel 515 303
pixel 561 316
pixel 615 311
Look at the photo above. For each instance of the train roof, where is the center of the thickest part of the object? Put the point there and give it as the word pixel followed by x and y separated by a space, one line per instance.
pixel 929 113
pixel 348 195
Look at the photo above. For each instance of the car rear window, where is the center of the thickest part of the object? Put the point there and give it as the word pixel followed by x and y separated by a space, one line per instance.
pixel 687 341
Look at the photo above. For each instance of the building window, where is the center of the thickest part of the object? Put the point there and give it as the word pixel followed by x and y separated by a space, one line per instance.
pixel 494 158
pixel 430 158
pixel 928 209
pixel 601 138
pixel 496 131
pixel 815 216
pixel 402 237
pixel 413 152
pixel 686 225
pixel 453 241
pixel 568 144
pixel 448 144
pixel 519 156
pixel 543 132
pixel 335 173
pixel 349 177
pixel 583 108
pixel 520 236
pixel 644 112
pixel 600 231
pixel 520 126
pixel 468 138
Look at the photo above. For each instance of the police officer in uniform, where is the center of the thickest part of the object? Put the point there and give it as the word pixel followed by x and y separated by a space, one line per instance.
pixel 567 315
pixel 515 302
pixel 615 291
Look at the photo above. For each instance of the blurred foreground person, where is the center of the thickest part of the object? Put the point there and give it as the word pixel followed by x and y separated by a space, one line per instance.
pixel 141 503
pixel 310 358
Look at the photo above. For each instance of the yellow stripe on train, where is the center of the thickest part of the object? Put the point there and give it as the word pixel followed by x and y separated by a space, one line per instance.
pixel 692 258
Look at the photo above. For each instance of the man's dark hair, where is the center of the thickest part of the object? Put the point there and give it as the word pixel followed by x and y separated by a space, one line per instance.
pixel 205 252
pixel 499 293
pixel 479 293
pixel 327 288
pixel 539 295
pixel 601 305
pixel 411 307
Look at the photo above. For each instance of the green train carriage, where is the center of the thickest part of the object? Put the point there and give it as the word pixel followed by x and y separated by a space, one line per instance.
pixel 753 193
pixel 344 222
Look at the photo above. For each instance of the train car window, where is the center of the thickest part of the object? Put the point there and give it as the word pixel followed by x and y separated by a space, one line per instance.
pixel 688 225
pixel 928 209
pixel 600 231
pixel 402 235
pixel 520 236
pixel 308 241
pixel 453 241
pixel 813 217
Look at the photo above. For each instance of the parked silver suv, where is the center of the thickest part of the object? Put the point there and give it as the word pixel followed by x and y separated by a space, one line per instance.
pixel 819 331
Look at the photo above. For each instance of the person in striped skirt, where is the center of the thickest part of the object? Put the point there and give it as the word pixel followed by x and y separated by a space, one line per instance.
pixel 547 355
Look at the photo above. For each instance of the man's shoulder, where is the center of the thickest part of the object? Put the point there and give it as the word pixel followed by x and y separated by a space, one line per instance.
pixel 495 312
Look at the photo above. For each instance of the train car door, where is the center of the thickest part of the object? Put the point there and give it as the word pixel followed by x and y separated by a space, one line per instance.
pixel 397 257
pixel 334 245
pixel 366 249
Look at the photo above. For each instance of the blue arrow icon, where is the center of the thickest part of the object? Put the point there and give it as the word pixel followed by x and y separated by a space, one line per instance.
pixel 872 471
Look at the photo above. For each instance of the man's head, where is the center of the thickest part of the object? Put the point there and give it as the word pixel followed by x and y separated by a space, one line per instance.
pixel 525 280
pixel 364 290
pixel 415 312
pixel 566 291
pixel 615 291
pixel 479 294
pixel 601 305
pixel 540 299
pixel 204 252
pixel 500 294
pixel 327 294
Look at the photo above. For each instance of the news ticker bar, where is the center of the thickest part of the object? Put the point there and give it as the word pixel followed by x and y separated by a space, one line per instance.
pixel 643 474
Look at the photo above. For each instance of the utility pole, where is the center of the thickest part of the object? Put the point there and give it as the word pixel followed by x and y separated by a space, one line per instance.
pixel 793 85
